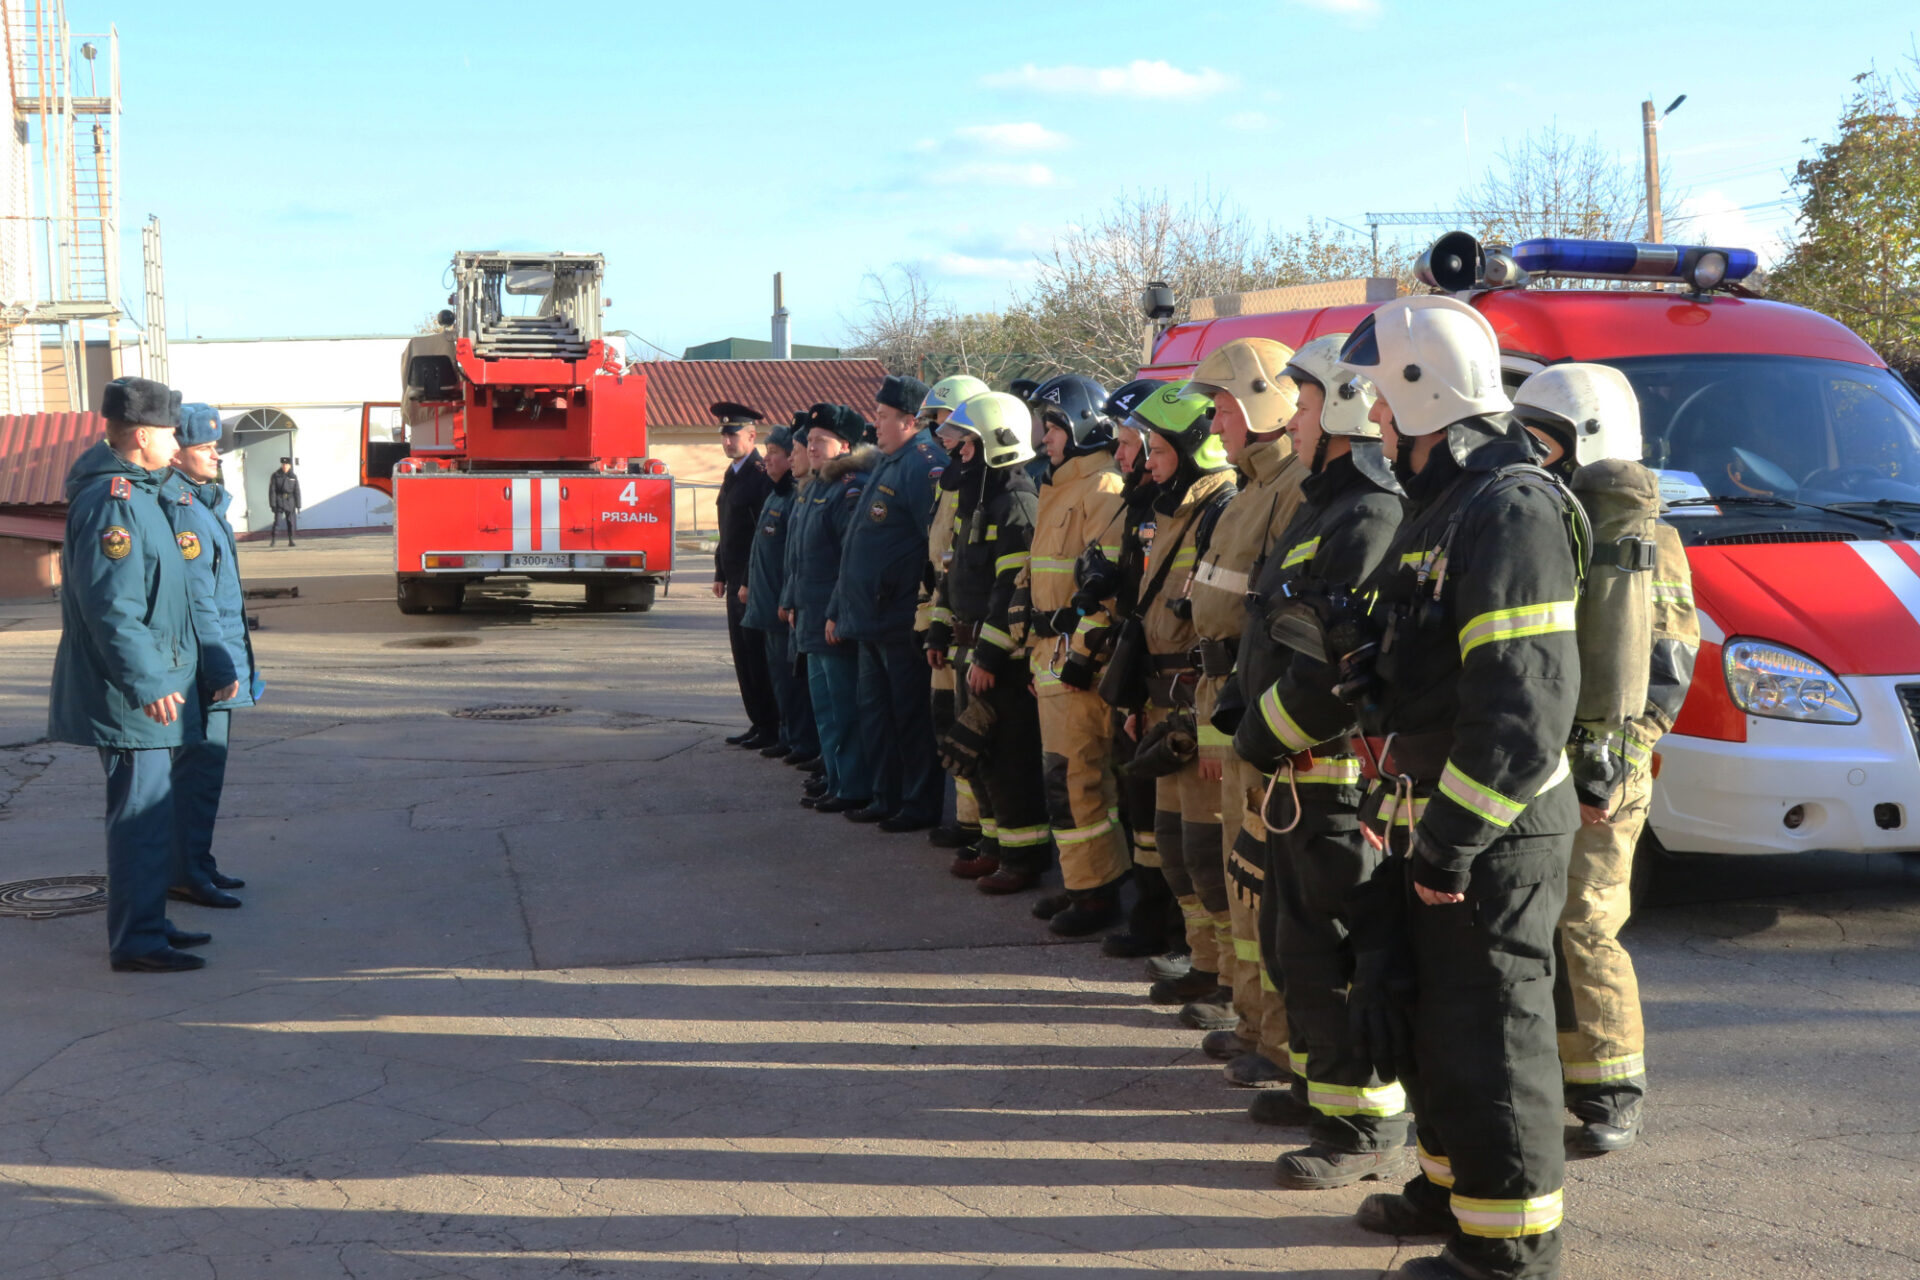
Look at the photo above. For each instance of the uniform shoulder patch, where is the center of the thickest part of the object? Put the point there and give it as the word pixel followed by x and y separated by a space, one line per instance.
pixel 877 512
pixel 936 472
pixel 116 542
pixel 120 487
pixel 189 544
pixel 186 498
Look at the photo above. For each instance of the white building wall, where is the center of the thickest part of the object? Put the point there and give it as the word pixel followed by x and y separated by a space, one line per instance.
pixel 320 383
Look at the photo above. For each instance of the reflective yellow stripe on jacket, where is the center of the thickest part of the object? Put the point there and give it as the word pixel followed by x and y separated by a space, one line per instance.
pixel 1280 724
pixel 1302 552
pixel 1513 624
pixel 1478 798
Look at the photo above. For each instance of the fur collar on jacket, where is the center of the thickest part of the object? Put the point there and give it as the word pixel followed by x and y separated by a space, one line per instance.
pixel 865 458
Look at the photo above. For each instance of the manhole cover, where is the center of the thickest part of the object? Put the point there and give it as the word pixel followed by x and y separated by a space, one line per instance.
pixel 53 896
pixel 434 642
pixel 509 711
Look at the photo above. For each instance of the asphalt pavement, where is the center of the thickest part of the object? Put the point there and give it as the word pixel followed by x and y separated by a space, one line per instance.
pixel 588 994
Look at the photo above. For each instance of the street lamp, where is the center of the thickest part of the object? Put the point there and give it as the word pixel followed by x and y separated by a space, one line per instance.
pixel 1650 131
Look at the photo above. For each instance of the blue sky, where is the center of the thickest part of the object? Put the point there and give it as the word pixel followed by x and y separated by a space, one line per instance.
pixel 315 167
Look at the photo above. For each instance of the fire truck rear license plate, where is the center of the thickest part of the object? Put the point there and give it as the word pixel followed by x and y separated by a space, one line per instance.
pixel 540 562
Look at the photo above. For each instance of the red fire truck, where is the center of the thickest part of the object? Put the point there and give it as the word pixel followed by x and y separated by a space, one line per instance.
pixel 519 444
pixel 1789 458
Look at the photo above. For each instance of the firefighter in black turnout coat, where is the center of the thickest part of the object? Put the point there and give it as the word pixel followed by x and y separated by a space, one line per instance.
pixel 743 491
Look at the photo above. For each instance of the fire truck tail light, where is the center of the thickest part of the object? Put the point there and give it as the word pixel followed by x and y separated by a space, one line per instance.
pixel 626 562
pixel 446 562
pixel 656 467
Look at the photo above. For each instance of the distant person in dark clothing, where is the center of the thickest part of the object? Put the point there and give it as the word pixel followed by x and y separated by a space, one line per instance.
pixel 283 496
pixel 743 491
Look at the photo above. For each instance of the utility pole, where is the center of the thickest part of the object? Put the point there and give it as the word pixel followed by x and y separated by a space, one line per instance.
pixel 1650 131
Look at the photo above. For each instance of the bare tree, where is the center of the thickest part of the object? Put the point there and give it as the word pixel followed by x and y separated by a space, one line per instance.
pixel 1552 183
pixel 898 318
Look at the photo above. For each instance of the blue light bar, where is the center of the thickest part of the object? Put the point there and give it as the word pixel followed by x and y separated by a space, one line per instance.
pixel 1618 260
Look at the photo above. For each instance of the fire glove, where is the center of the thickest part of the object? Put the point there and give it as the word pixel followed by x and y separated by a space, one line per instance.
pixel 1598 767
pixel 963 746
pixel 1379 1013
pixel 1166 748
pixel 1230 709
pixel 939 637
pixel 1077 671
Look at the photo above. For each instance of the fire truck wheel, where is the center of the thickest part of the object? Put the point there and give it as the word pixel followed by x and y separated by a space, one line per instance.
pixel 615 597
pixel 417 595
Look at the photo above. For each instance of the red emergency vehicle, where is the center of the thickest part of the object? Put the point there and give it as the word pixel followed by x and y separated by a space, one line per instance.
pixel 519 444
pixel 1789 459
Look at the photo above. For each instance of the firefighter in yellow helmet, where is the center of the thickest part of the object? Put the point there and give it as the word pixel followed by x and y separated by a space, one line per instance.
pixel 1254 397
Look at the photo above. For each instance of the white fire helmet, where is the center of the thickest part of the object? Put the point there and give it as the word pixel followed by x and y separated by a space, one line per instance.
pixel 1348 396
pixel 1435 360
pixel 1590 408
pixel 1001 423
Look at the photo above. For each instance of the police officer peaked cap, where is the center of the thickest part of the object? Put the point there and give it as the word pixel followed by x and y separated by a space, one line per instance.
pixel 139 401
pixel 839 420
pixel 902 393
pixel 197 424
pixel 734 416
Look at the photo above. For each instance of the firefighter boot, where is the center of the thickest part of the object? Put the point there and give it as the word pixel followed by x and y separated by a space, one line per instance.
pixel 1282 1108
pixel 1089 911
pixel 1439 1266
pixel 1393 1214
pixel 953 836
pixel 1051 905
pixel 1212 1011
pixel 1174 964
pixel 1224 1046
pixel 1605 1126
pixel 1255 1070
pixel 1318 1168
pixel 1194 982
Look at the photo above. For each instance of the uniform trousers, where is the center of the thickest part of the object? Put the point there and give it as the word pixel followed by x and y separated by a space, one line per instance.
pixel 1257 995
pixel 290 517
pixel 1154 914
pixel 1597 999
pixel 1186 826
pixel 966 810
pixel 896 714
pixel 1083 800
pixel 1313 871
pixel 140 849
pixel 750 666
pixel 199 776
pixel 833 676
pixel 786 667
pixel 1486 1100
pixel 1008 789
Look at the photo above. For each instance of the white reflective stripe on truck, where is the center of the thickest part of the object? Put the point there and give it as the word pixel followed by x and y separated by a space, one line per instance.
pixel 523 515
pixel 549 515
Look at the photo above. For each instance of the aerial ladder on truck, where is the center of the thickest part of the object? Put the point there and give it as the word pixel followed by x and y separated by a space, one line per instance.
pixel 519 443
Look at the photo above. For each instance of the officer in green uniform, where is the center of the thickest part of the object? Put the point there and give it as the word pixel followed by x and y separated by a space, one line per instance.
pixel 128 676
pixel 196 506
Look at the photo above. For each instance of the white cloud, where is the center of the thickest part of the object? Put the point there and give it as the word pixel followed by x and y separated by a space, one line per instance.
pixel 1138 79
pixel 1712 217
pixel 961 264
pixel 1026 136
pixel 993 174
pixel 1250 121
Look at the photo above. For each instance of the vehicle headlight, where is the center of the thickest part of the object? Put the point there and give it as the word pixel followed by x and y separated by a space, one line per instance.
pixel 1768 680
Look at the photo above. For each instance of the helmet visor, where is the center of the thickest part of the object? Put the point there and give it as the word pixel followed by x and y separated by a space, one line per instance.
pixel 1363 346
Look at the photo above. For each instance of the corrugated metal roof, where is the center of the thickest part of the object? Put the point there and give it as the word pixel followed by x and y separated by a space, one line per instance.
pixel 43 524
pixel 680 393
pixel 38 449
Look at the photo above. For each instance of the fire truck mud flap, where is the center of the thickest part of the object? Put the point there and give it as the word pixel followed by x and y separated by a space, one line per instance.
pixel 426 595
pixel 625 595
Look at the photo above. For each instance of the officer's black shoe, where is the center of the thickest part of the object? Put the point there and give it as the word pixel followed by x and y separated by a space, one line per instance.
pixel 904 822
pixel 227 882
pixel 1192 983
pixel 809 801
pixel 815 786
pixel 1318 1168
pixel 805 762
pixel 183 938
pixel 1169 964
pixel 1128 945
pixel 1282 1108
pixel 778 751
pixel 165 960
pixel 739 739
pixel 1390 1213
pixel 1210 1012
pixel 1052 905
pixel 758 740
pixel 207 897
pixel 1089 913
pixel 1255 1070
pixel 1600 1138
pixel 868 813
pixel 835 804
pixel 952 836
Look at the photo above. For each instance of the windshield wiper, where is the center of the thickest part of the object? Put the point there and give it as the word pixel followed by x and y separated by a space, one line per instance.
pixel 1755 500
pixel 1879 504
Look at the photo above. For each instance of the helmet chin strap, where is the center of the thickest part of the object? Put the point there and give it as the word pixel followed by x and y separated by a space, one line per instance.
pixel 1319 454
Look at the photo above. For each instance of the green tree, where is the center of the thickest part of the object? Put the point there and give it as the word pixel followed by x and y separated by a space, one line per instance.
pixel 1858 254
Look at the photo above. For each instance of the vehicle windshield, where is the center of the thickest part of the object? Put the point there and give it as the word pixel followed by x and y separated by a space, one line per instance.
pixel 1788 427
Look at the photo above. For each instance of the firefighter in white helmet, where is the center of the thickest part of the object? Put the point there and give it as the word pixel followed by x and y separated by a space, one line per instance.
pixel 1638 638
pixel 942 399
pixel 1465 715
pixel 1254 398
pixel 995 738
pixel 1307 614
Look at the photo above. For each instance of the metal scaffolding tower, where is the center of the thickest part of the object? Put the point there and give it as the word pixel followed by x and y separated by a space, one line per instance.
pixel 66 106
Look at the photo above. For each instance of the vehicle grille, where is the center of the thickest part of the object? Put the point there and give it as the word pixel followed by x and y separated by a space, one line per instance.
pixel 1910 699
pixel 1749 539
